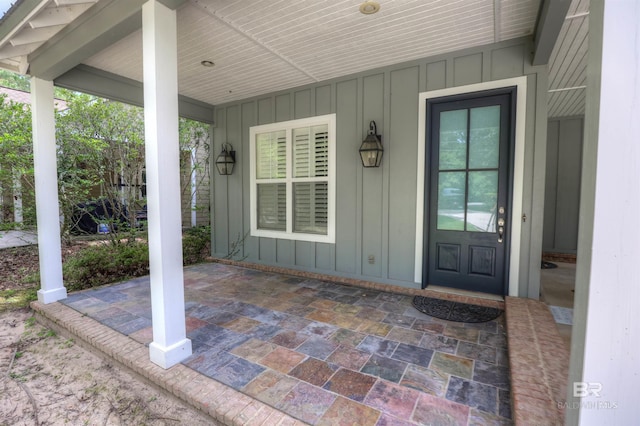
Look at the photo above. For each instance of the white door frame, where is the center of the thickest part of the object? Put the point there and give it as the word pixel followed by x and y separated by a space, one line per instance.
pixel 518 170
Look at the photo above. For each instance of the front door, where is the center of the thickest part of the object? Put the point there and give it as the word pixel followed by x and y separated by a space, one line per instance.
pixel 468 199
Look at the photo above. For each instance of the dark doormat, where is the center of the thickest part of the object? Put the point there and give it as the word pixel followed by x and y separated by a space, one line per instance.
pixel 455 311
pixel 548 265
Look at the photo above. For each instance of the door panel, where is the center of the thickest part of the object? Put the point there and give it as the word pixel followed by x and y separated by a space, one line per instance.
pixel 468 185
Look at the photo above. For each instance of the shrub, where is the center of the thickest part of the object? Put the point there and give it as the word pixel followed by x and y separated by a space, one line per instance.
pixel 106 263
pixel 196 243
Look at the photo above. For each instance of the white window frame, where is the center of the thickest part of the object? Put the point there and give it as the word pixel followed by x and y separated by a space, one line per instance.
pixel 288 127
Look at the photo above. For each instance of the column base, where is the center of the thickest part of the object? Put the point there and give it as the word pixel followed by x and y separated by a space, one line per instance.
pixel 50 296
pixel 168 356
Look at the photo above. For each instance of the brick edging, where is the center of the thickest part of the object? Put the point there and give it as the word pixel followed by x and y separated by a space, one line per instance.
pixel 362 283
pixel 558 257
pixel 212 398
pixel 538 362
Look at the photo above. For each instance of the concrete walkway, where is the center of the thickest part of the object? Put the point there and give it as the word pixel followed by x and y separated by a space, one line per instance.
pixel 17 238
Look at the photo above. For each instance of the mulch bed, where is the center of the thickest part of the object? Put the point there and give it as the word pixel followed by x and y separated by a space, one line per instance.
pixel 19 263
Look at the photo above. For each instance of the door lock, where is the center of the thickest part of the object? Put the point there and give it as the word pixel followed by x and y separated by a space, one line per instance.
pixel 500 230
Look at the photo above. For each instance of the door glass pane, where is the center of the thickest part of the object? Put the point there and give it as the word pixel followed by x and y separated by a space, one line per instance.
pixel 272 206
pixel 484 137
pixel 453 140
pixel 481 205
pixel 451 195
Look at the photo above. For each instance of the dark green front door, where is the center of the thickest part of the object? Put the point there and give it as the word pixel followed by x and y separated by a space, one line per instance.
pixel 468 183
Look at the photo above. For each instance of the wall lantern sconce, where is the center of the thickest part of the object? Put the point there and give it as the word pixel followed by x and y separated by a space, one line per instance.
pixel 226 160
pixel 371 148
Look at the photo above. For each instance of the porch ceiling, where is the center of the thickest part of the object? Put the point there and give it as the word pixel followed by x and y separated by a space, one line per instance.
pixel 261 47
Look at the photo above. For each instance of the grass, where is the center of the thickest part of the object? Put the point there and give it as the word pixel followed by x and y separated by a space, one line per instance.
pixel 16 299
pixel 454 224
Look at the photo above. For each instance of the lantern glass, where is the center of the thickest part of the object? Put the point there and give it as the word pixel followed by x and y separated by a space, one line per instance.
pixel 371 151
pixel 225 162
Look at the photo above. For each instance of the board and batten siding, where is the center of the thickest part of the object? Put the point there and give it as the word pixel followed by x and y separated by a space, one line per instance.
pixel 375 208
pixel 562 195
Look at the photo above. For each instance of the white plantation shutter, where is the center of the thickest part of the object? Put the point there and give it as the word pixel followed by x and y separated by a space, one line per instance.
pixel 310 160
pixel 301 153
pixel 310 207
pixel 292 179
pixel 321 150
pixel 272 206
pixel 271 155
pixel 311 151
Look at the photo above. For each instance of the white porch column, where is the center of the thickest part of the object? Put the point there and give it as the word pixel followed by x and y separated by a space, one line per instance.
pixel 604 372
pixel 17 197
pixel 160 59
pixel 46 181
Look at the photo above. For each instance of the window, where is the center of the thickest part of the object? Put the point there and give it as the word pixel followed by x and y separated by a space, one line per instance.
pixel 293 179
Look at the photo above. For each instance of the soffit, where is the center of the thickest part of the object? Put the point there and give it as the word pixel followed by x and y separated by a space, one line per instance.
pixel 261 47
pixel 46 19
pixel 568 64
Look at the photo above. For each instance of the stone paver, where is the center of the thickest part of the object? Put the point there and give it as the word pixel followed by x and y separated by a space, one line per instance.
pixel 305 346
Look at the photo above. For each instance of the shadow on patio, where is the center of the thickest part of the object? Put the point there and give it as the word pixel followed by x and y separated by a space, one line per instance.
pixel 319 352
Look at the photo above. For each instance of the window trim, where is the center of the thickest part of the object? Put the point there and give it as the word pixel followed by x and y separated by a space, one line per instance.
pixel 288 126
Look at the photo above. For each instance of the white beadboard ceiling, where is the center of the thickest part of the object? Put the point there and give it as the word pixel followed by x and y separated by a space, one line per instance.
pixel 260 47
pixel 568 64
pixel 264 46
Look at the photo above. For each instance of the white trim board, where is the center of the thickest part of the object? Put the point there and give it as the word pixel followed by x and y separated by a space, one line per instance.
pixel 518 169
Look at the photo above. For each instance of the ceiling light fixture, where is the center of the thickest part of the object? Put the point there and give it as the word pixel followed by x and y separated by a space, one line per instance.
pixel 369 7
pixel 206 63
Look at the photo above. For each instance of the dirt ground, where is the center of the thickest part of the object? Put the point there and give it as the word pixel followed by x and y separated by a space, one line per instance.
pixel 46 379
pixel 49 380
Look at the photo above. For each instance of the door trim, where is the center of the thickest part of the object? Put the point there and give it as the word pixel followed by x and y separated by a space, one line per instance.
pixel 515 221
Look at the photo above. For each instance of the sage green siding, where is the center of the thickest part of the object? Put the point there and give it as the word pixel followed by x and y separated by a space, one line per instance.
pixel 562 195
pixel 376 208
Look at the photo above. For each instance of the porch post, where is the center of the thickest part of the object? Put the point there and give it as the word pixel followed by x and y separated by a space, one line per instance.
pixel 46 182
pixel 17 197
pixel 604 370
pixel 160 59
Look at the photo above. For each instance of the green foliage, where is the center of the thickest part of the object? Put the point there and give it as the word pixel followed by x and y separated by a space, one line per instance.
pixel 8 226
pixel 16 154
pixel 45 332
pixel 101 148
pixel 195 146
pixel 196 243
pixel 105 263
pixel 101 155
pixel 16 299
pixel 14 81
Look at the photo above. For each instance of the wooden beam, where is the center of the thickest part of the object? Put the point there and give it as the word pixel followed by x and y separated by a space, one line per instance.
pixel 550 19
pixel 93 81
pixel 39 35
pixel 58 15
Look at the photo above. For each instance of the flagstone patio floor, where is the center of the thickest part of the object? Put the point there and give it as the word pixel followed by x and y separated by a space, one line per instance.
pixel 311 350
